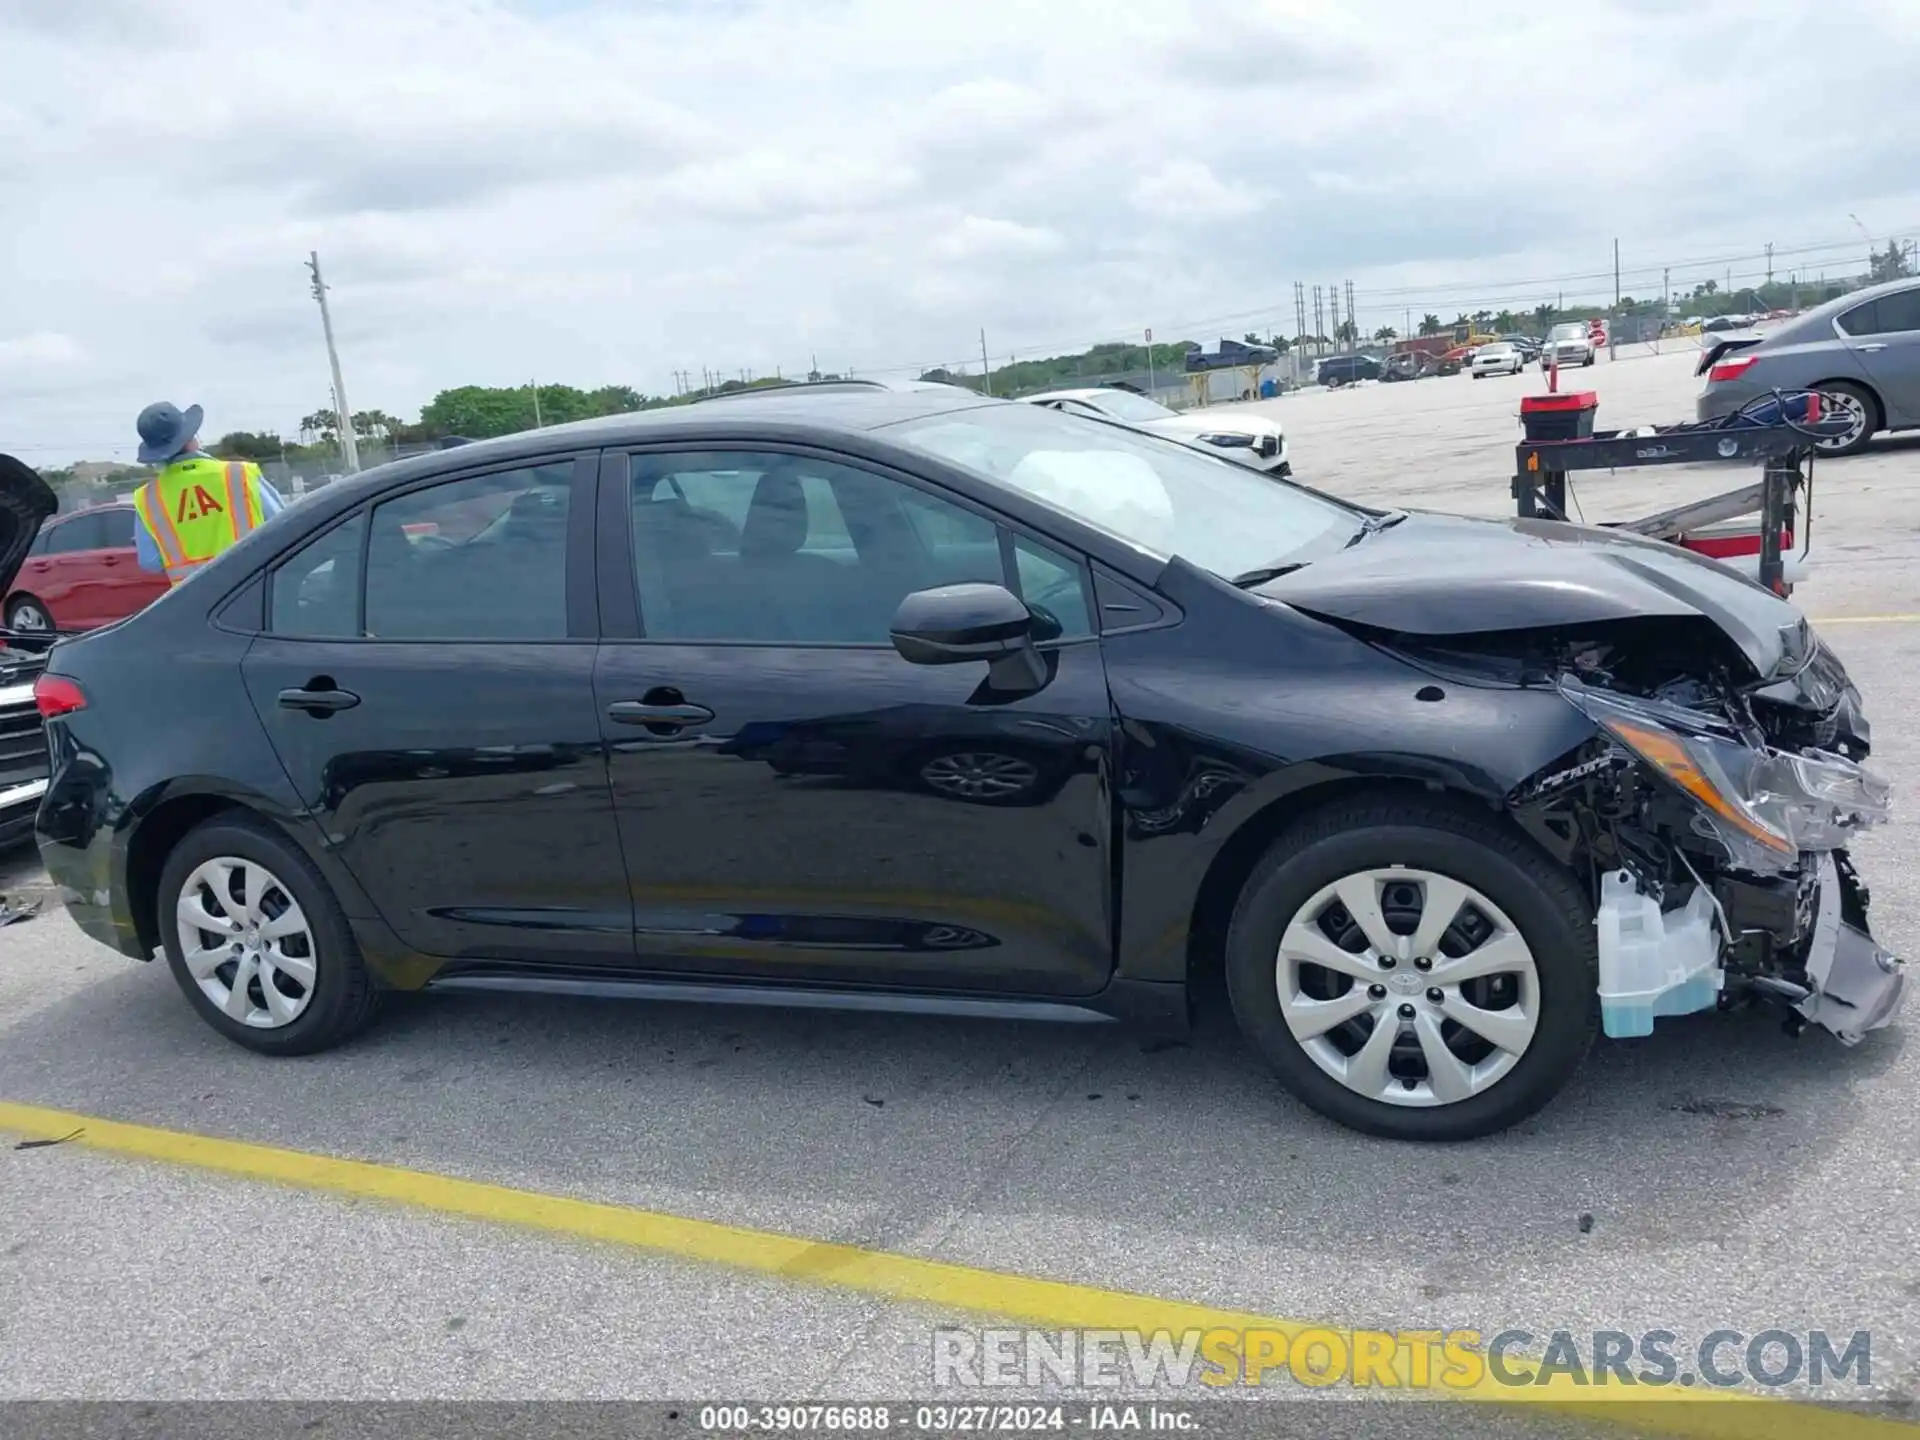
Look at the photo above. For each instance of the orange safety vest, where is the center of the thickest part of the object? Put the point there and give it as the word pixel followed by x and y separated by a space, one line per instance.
pixel 195 508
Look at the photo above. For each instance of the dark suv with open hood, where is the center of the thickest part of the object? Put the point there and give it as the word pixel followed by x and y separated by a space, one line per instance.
pixel 26 502
pixel 900 697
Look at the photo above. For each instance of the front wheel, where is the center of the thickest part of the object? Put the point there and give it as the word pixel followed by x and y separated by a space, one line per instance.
pixel 258 943
pixel 28 614
pixel 1414 970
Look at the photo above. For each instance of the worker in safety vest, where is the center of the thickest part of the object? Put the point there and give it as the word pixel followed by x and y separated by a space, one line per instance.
pixel 196 506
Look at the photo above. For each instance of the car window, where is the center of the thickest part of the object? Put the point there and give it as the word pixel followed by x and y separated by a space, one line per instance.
pixel 1159 496
pixel 82 532
pixel 315 592
pixel 43 540
pixel 1885 315
pixel 787 549
pixel 484 558
pixel 1055 590
pixel 117 528
pixel 1861 319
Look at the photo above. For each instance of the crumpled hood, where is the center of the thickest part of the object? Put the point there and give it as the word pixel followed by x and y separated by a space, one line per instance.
pixel 1446 575
pixel 25 503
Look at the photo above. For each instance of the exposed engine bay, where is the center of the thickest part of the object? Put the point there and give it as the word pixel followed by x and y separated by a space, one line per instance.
pixel 1711 810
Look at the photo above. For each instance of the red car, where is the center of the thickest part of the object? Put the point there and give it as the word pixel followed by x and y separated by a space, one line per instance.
pixel 82 572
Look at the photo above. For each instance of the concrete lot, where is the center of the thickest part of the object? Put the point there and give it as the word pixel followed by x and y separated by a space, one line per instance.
pixel 1730 1177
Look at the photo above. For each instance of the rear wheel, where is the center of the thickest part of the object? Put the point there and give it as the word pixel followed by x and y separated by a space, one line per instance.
pixel 27 613
pixel 1414 970
pixel 1843 398
pixel 258 943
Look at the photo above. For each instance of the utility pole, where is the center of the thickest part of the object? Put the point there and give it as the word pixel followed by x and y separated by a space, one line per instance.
pixel 1352 320
pixel 349 451
pixel 1769 262
pixel 1151 387
pixel 986 370
pixel 535 386
pixel 1613 330
pixel 1666 295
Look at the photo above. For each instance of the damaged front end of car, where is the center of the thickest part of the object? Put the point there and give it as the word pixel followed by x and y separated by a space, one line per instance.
pixel 1712 810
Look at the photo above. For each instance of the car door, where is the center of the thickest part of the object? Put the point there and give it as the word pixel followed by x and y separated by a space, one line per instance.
pixel 799 803
pixel 61 576
pixel 89 567
pixel 1885 334
pixel 427 680
pixel 124 588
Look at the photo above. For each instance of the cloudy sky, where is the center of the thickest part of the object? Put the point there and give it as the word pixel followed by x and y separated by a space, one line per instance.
pixel 609 191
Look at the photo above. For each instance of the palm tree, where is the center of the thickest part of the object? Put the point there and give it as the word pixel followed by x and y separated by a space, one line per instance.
pixel 1506 321
pixel 1430 324
pixel 1543 315
pixel 1385 334
pixel 1482 318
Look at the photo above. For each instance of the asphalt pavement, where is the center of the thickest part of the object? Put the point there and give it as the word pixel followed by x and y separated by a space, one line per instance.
pixel 1718 1175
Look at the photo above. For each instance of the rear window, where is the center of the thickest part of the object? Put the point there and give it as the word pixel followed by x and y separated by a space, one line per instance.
pixel 1884 315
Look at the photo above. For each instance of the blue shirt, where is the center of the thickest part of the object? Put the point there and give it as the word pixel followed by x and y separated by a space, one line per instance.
pixel 148 552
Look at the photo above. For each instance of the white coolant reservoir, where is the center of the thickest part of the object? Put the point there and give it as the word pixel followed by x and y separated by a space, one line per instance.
pixel 1653 962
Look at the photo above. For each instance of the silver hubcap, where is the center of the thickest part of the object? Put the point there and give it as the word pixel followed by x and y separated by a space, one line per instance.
pixel 1837 403
pixel 1408 987
pixel 30 617
pixel 983 776
pixel 246 942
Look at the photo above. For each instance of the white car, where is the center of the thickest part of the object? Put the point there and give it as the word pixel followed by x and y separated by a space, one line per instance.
pixel 1251 440
pixel 1567 345
pixel 1498 359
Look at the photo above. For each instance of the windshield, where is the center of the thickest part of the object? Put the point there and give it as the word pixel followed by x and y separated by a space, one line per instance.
pixel 1568 332
pixel 1124 406
pixel 1160 496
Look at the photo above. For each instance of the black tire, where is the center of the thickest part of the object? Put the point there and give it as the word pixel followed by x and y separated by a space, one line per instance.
pixel 1586 362
pixel 1864 397
pixel 345 996
pixel 1543 901
pixel 19 605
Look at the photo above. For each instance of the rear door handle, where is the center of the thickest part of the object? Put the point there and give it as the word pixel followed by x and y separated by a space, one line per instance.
pixel 1877 345
pixel 674 717
pixel 318 702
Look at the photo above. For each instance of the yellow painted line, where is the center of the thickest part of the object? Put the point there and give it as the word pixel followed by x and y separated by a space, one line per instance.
pixel 1055 1304
pixel 1867 620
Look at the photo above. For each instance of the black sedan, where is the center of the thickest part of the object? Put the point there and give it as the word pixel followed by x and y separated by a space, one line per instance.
pixel 898 697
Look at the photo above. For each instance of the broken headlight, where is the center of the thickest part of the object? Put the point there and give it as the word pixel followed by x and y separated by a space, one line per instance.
pixel 1763 805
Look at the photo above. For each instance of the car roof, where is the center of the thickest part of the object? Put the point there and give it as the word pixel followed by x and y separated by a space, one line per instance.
pixel 1820 317
pixel 829 406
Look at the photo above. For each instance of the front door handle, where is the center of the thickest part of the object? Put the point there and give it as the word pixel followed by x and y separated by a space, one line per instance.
pixel 671 717
pixel 318 702
pixel 1876 345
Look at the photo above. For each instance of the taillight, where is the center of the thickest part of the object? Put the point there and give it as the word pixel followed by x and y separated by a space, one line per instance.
pixel 1732 369
pixel 57 695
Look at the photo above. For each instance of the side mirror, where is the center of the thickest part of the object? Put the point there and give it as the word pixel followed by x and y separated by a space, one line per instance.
pixel 953 624
pixel 956 623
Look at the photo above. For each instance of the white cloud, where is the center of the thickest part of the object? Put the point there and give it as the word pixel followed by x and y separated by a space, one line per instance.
pixel 977 236
pixel 27 353
pixel 1188 190
pixel 599 191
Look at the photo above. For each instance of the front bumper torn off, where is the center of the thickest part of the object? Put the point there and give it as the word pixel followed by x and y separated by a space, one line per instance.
pixel 1855 985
